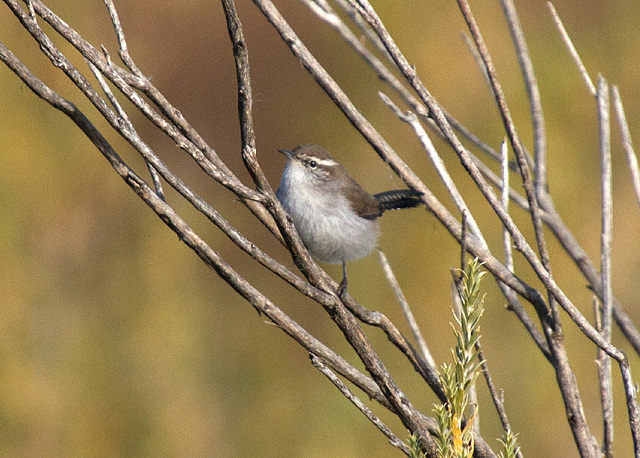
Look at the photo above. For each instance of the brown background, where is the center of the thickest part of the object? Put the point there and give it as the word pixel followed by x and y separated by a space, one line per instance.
pixel 116 340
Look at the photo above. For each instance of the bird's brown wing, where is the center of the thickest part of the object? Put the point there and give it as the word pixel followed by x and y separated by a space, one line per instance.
pixel 363 203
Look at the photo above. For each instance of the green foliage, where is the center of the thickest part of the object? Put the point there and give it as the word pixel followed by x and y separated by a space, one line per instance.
pixel 454 437
pixel 510 444
pixel 415 446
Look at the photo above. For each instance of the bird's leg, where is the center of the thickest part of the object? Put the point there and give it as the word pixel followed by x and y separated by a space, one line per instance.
pixel 342 288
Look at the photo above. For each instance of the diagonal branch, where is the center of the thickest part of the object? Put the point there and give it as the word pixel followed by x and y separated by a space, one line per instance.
pixel 245 101
pixel 535 102
pixel 604 363
pixel 346 392
pixel 627 144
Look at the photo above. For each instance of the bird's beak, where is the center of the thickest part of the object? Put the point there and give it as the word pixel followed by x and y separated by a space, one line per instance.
pixel 287 153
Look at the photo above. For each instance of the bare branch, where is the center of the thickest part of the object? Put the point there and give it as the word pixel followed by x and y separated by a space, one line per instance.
pixel 471 47
pixel 125 119
pixel 496 396
pixel 562 233
pixel 245 100
pixel 411 119
pixel 535 102
pixel 191 141
pixel 209 162
pixel 631 394
pixel 604 366
pixel 506 238
pixel 627 144
pixel 380 320
pixel 406 310
pixel 123 50
pixel 514 303
pixel 346 392
pixel 572 49
pixel 566 380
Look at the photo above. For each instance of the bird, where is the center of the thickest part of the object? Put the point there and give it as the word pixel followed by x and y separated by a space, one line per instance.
pixel 336 219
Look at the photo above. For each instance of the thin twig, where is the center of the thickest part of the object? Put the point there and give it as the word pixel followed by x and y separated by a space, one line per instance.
pixel 380 320
pixel 514 303
pixel 572 49
pixel 178 129
pixel 123 48
pixel 477 57
pixel 155 177
pixel 586 266
pixel 535 102
pixel 346 392
pixel 506 238
pixel 463 244
pixel 126 58
pixel 497 396
pixel 514 139
pixel 564 235
pixel 579 256
pixel 411 119
pixel 631 394
pixel 471 48
pixel 217 170
pixel 406 310
pixel 627 144
pixel 245 98
pixel 362 25
pixel 604 366
pixel 566 379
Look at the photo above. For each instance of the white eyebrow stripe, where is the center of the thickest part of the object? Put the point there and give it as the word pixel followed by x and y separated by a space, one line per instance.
pixel 327 162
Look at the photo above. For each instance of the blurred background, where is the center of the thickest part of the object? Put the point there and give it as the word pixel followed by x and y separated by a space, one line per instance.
pixel 116 339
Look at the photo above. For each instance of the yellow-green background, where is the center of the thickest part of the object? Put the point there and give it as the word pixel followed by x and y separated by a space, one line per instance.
pixel 116 340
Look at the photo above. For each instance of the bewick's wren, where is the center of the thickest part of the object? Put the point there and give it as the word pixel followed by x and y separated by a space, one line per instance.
pixel 334 216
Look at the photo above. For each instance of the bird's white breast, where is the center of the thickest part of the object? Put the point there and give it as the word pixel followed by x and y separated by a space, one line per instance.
pixel 325 221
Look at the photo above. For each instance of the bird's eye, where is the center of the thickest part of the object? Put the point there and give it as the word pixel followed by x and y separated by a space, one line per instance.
pixel 313 164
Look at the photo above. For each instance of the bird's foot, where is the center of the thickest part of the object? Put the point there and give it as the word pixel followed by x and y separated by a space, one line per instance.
pixel 342 289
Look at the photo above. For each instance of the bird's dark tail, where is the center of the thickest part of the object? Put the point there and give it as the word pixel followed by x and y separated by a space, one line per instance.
pixel 400 198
